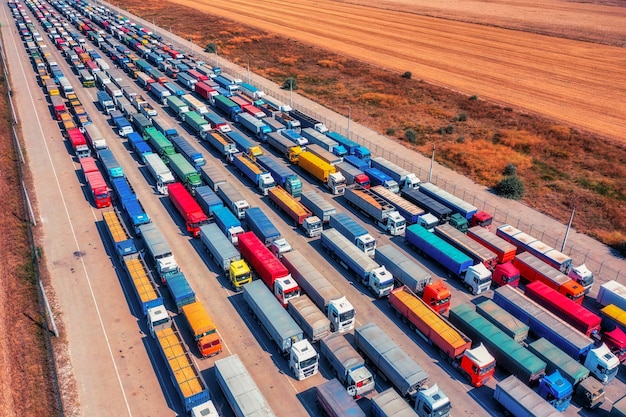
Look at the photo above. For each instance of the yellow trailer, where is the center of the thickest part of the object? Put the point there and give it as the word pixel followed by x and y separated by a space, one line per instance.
pixel 203 330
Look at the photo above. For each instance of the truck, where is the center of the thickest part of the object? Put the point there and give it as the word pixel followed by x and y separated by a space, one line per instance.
pixel 347 365
pixel 477 278
pixel 389 404
pixel 322 171
pixel 123 244
pixel 367 271
pixel 354 232
pixel 217 122
pixel 588 392
pixel 294 137
pixel 185 172
pixel 228 223
pixel 318 205
pixel 378 209
pixel 532 269
pixel 520 400
pixel 335 401
pixel 191 211
pixel 420 199
pixel 112 168
pixel 164 126
pixel 506 273
pixel 602 363
pixel 105 102
pixel 98 189
pixel 457 205
pixel 326 297
pixel 228 107
pixel 251 91
pixel 329 157
pixel 193 156
pixel 244 145
pixel 311 320
pixel 284 146
pixel 612 292
pixel 205 91
pixel 476 365
pixel 473 249
pixel 561 262
pixel 391 361
pixel 139 146
pixel 95 139
pixel 353 175
pixel 255 126
pixel 197 123
pixel 323 141
pixel 503 320
pixel 202 328
pixel 357 162
pixel 408 210
pixel 78 142
pixel 271 271
pixel 160 172
pixel 509 354
pixel 184 374
pixel 223 144
pixel 404 178
pixel 233 200
pixel 261 225
pixel 408 273
pixel 350 145
pixel 180 290
pixel 377 177
pixel 212 176
pixel 174 89
pixel 262 179
pixel 286 120
pixel 240 390
pixel 58 106
pixel 208 200
pixel 140 121
pixel 296 211
pixel 282 330
pixel 123 126
pixel 572 313
pixel 283 176
pixel 178 107
pixel 159 92
pixel 225 255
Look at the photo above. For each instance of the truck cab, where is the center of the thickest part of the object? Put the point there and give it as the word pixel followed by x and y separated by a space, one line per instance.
pixel 437 296
pixel 616 342
pixel 477 278
pixel 312 226
pixel 432 402
pixel 506 274
pixel 341 314
pixel 459 222
pixel 482 219
pixel 280 246
pixel 380 281
pixel 367 244
pixel 158 319
pixel 582 275
pixel 410 182
pixel 556 390
pixel 396 224
pixel 240 207
pixel 239 274
pixel 167 266
pixel 303 359
pixel 336 183
pixel 428 221
pixel 478 365
pixel 285 289
pixel 602 363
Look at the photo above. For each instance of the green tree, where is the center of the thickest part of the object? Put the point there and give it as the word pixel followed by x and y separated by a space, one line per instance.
pixel 410 135
pixel 407 75
pixel 510 170
pixel 210 48
pixel 291 83
pixel 510 187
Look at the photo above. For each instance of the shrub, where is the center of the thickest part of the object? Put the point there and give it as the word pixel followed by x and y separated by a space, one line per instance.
pixel 510 170
pixel 390 131
pixel 462 117
pixel 210 48
pixel 473 98
pixel 510 187
pixel 410 135
pixel 407 75
pixel 290 83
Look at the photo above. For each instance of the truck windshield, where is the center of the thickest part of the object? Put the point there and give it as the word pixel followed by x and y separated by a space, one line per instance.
pixel 348 315
pixel 308 362
pixel 486 369
pixel 444 410
pixel 292 294
pixel 369 246
pixel 440 302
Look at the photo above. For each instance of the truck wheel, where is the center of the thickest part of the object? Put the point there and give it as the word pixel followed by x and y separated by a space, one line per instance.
pixel 332 327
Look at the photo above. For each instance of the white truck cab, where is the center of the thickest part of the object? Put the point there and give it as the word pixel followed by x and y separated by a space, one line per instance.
pixel 396 224
pixel 367 244
pixel 341 315
pixel 336 183
pixel 303 359
pixel 477 278
pixel 602 363
pixel 312 226
pixel 432 402
pixel 428 222
pixel 280 246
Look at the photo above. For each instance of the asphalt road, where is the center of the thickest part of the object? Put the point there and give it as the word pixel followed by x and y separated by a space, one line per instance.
pixel 114 362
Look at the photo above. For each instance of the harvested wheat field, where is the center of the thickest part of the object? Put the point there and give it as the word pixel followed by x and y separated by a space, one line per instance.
pixel 578 83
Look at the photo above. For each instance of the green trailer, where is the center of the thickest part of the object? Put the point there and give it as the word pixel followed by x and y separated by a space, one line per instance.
pixel 504 320
pixel 185 171
pixel 163 147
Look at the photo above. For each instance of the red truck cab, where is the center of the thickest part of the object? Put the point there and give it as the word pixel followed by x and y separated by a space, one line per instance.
pixel 482 219
pixel 506 274
pixel 437 296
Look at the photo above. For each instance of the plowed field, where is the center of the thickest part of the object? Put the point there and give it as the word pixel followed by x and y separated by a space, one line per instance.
pixel 578 83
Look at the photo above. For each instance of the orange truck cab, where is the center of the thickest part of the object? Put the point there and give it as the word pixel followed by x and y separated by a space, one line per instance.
pixel 437 296
pixel 203 330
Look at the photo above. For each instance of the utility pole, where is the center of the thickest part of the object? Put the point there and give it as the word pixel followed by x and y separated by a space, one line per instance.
pixel 291 94
pixel 349 109
pixel 248 69
pixel 569 226
pixel 432 161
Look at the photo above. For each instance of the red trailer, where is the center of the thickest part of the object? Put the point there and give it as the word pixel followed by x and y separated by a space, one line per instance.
pixel 576 315
pixel 175 54
pixel 91 66
pixel 204 90
pixel 197 75
pixel 505 250
pixel 254 111
pixel 99 189
pixel 79 143
pixel 241 102
pixel 187 207
pixel 58 106
pixel 275 275
pixel 88 165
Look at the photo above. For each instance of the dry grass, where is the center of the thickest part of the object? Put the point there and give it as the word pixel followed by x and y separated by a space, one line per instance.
pixel 291 60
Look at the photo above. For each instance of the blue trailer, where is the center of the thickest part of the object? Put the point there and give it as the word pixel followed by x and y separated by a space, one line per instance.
pixel 452 259
pixel 356 162
pixel 208 200
pixel 226 83
pixel 377 177
pixel 262 227
pixel 190 153
pixel 129 202
pixel 228 223
pixel 216 121
pixel 283 176
pixel 228 107
pixel 354 232
pixel 255 126
pixel 243 144
pixel 159 92
pixel 180 290
pixel 139 145
pixel 112 168
pixel 164 126
pixel 324 141
pixel 350 145
pixel 295 137
pixel 124 127
pixel 174 89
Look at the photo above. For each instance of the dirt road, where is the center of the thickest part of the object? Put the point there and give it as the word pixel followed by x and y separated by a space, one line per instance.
pixel 570 81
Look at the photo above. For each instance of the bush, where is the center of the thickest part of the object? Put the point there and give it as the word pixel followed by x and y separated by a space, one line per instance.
pixel 473 98
pixel 410 135
pixel 510 170
pixel 390 131
pixel 407 75
pixel 210 48
pixel 510 187
pixel 290 83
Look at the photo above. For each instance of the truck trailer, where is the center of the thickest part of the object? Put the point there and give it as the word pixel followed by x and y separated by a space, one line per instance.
pixel 159 251
pixel 420 199
pixel 322 171
pixel 348 365
pixel 335 401
pixel 318 205
pixel 503 320
pixel 233 200
pixel 283 176
pixel 261 179
pixel 404 178
pixel 378 209
pixel 284 146
pixel 185 172
pixel 521 401
pixel 311 320
pixel 296 211
pixel 225 255
pixel 228 224
pixel 408 210
pixel 208 200
pixel 202 328
pixel 189 208
pixel 212 176
pixel 191 154
pixel 353 175
pixel 354 232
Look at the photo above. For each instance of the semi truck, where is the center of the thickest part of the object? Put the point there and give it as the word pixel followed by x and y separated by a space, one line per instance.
pixel 197 123
pixel 294 137
pixel 212 176
pixel 95 138
pixel 318 205
pixel 244 144
pixel 532 269
pixel 225 255
pixel 392 362
pixel 203 329
pixel 477 278
pixel 284 146
pixel 180 290
pixel 228 224
pixel 357 162
pixel 130 203
pixel 307 121
pixel 353 175
pixel 476 365
pixel 327 156
pixel 378 209
pixel 375 277
pixel 233 200
pixel 79 143
pixel 160 172
pixel 379 178
pixel 255 126
pixel 407 272
pixel 408 210
pixel 322 171
pixel 468 246
pixel 271 271
pixel 217 122
pixel 99 190
pixel 240 390
pixel 420 199
pixel 404 178
pixel 335 401
pixel 351 146
pixel 509 354
pixel 106 102
pixel 282 330
pixel 347 365
pixel 228 107
pixel 503 320
pixel 286 120
pixel 326 297
pixel 185 172
pixel 223 144
pixel 296 211
pixel 612 292
pixel 311 320
pixel 160 143
pixel 123 126
pixel 283 176
pixel 519 400
pixel 324 141
pixel 139 145
pixel 457 205
pixel 506 274
pixel 261 225
pixel 193 156
pixel 563 263
pixel 354 232
pixel 189 208
pixel 261 179
pixel 194 104
pixel 208 200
